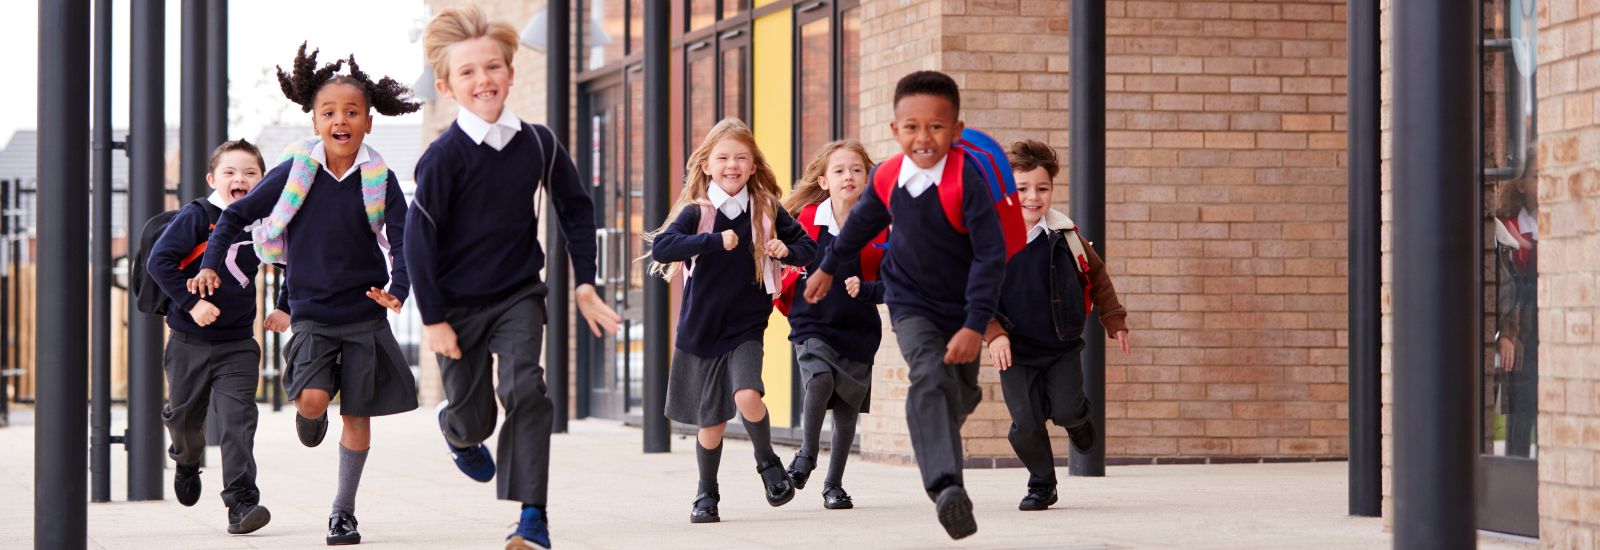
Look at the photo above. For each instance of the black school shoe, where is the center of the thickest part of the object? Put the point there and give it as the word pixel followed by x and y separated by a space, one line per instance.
pixel 1082 437
pixel 186 485
pixel 955 512
pixel 342 529
pixel 247 517
pixel 1038 499
pixel 778 487
pixel 834 497
pixel 311 431
pixel 705 508
pixel 800 469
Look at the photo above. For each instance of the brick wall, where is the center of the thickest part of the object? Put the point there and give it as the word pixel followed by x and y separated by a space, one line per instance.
pixel 1225 208
pixel 1569 264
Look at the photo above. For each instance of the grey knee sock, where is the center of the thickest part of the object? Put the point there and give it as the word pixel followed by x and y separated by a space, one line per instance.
pixel 844 435
pixel 350 465
pixel 708 460
pixel 761 437
pixel 818 391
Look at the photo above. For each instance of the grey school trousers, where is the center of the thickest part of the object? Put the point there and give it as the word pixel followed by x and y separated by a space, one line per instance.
pixel 199 372
pixel 513 331
pixel 940 398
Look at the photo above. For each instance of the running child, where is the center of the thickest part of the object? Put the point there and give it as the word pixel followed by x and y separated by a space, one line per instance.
pixel 335 216
pixel 727 234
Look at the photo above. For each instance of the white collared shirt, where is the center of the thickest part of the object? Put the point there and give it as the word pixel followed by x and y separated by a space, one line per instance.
pixel 916 180
pixel 319 153
pixel 825 217
pixel 730 208
pixel 1038 229
pixel 497 135
pixel 215 198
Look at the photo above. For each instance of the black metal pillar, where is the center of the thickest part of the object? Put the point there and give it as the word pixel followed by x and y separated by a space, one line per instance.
pixel 60 496
pixel 146 439
pixel 657 432
pixel 192 139
pixel 216 132
pixel 558 362
pixel 1087 139
pixel 1366 262
pixel 1437 275
pixel 100 436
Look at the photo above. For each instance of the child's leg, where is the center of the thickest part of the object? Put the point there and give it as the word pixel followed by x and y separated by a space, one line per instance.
pixel 1024 388
pixel 819 389
pixel 523 453
pixel 188 399
pixel 708 456
pixel 844 435
pixel 312 402
pixel 469 417
pixel 1063 391
pixel 233 390
pixel 936 404
pixel 753 412
pixel 354 443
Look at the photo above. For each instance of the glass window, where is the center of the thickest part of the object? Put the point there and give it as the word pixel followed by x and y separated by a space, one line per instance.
pixel 816 88
pixel 605 32
pixel 702 92
pixel 735 81
pixel 731 8
pixel 702 13
pixel 635 26
pixel 850 72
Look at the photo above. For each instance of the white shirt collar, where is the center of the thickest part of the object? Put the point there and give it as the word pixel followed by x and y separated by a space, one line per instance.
pixel 916 180
pixel 729 208
pixel 1528 223
pixel 215 198
pixel 1038 228
pixel 497 135
pixel 825 218
pixel 319 153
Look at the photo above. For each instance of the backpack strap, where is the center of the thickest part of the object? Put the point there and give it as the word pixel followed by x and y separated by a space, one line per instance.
pixel 808 220
pixel 950 188
pixel 885 177
pixel 1081 258
pixel 212 215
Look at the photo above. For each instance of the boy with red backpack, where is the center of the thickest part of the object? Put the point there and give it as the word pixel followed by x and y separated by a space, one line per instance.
pixel 942 274
pixel 1036 348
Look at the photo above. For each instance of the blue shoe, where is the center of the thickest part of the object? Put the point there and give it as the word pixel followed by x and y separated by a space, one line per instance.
pixel 531 532
pixel 475 461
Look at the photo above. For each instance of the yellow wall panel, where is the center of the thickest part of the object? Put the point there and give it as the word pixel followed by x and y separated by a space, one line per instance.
pixel 773 45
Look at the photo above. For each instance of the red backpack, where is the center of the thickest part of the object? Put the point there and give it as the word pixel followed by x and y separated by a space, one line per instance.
pixel 989 159
pixel 871 257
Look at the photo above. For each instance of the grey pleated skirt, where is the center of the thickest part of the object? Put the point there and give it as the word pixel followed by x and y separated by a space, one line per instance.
pixel 852 380
pixel 359 362
pixel 700 389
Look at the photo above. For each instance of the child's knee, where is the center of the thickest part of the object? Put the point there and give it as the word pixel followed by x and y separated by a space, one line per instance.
pixel 821 383
pixel 710 437
pixel 749 403
pixel 312 403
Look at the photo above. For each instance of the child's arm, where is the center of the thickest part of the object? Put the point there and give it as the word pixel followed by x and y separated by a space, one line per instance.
pixel 278 319
pixel 1104 295
pixel 394 227
pixel 679 242
pixel 988 267
pixel 183 233
pixel 801 248
pixel 429 208
pixel 574 209
pixel 867 219
pixel 254 206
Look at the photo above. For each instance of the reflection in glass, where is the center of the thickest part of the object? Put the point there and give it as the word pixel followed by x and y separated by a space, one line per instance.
pixel 635 26
pixel 850 68
pixel 735 80
pixel 604 44
pixel 702 93
pixel 816 88
pixel 731 8
pixel 702 13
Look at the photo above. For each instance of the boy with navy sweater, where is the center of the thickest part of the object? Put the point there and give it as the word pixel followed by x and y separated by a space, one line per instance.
pixel 212 354
pixel 473 250
pixel 941 284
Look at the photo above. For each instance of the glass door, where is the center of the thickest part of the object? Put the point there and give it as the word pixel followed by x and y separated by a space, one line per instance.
pixel 1508 499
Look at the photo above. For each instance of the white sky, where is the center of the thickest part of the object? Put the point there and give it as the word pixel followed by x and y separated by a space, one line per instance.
pixel 261 34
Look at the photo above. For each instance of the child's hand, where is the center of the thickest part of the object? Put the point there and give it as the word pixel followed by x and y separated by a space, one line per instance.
pixel 441 338
pixel 277 321
pixel 1000 352
pixel 602 319
pixel 729 240
pixel 384 299
pixel 1122 337
pixel 204 313
pixel 963 347
pixel 776 249
pixel 817 286
pixel 852 286
pixel 205 283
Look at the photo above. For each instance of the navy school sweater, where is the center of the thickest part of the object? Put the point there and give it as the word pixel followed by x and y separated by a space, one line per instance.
pixel 1025 301
pixel 237 305
pixel 724 305
pixel 333 256
pixel 850 325
pixel 472 236
pixel 931 270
